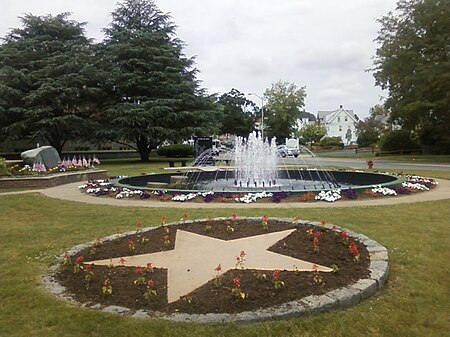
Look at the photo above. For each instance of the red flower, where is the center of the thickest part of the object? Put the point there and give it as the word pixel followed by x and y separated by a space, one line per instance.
pixel 276 274
pixel 317 234
pixel 138 270
pixel 316 241
pixel 264 217
pixel 354 249
pixel 79 260
pixel 323 222
pixel 242 255
pixel 233 216
pixel 130 243
pixel 218 268
pixel 88 267
pixel 121 260
pixel 150 284
pixel 227 223
pixel 166 237
pixel 149 265
pixel 236 282
pixel 344 235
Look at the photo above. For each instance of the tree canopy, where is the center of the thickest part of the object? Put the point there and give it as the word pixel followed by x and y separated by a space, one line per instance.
pixel 412 63
pixel 239 113
pixel 283 105
pixel 312 133
pixel 370 129
pixel 48 84
pixel 157 97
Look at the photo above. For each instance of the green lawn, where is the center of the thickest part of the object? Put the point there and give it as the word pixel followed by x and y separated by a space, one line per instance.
pixel 34 229
pixel 130 167
pixel 416 158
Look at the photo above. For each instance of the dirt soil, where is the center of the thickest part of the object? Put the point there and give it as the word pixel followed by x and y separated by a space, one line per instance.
pixel 215 296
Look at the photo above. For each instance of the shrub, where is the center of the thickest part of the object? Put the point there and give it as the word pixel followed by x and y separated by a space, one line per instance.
pixel 332 141
pixel 398 140
pixel 176 151
pixel 4 170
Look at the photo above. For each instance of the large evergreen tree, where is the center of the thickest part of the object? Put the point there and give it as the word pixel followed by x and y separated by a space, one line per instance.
pixel 284 101
pixel 157 97
pixel 413 64
pixel 239 113
pixel 48 85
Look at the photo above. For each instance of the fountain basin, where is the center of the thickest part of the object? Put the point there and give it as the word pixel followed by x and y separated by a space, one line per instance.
pixel 224 181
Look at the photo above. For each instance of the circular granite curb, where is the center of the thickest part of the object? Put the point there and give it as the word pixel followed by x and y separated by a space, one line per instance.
pixel 336 299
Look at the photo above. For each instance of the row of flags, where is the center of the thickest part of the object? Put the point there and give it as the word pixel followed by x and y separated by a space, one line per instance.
pixel 81 161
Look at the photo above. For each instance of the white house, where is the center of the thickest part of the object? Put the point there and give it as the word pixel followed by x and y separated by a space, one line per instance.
pixel 339 123
pixel 304 119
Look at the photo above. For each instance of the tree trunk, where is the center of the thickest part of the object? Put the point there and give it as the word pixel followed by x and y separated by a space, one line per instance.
pixel 143 147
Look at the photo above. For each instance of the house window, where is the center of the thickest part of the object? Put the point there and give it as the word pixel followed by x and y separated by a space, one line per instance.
pixel 340 128
pixel 339 119
pixel 346 119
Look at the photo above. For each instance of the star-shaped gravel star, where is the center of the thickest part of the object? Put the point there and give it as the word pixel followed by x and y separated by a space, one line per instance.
pixel 194 258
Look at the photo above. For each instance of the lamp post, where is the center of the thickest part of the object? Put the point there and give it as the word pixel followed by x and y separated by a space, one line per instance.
pixel 262 112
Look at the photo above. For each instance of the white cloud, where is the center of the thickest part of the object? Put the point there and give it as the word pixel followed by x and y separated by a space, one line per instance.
pixel 323 44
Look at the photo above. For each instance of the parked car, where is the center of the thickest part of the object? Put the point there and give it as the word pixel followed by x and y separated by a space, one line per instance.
pixel 284 151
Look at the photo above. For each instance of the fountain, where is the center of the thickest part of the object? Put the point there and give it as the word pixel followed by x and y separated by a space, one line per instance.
pixel 254 166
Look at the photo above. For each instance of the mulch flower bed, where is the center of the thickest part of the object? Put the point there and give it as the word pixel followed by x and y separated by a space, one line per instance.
pixel 146 287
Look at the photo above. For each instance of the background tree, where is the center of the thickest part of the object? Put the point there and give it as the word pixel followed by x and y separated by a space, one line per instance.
pixel 157 97
pixel 312 133
pixel 48 85
pixel 371 129
pixel 239 113
pixel 412 63
pixel 284 101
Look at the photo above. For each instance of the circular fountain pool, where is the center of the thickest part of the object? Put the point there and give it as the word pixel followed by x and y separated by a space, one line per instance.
pixel 254 166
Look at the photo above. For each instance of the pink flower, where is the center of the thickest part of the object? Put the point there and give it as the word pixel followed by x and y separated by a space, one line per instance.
pixel 276 274
pixel 122 260
pixel 150 284
pixel 236 282
pixel 138 270
pixel 234 216
pixel 218 268
pixel 242 255
pixel 79 260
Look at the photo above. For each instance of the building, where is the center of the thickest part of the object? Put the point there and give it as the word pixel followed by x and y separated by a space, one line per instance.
pixel 304 119
pixel 339 123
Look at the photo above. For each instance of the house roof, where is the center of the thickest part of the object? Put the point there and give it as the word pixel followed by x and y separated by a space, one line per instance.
pixel 308 115
pixel 323 114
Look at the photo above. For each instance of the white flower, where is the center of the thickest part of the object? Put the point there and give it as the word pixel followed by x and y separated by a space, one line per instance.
pixel 252 197
pixel 383 190
pixel 329 196
pixel 415 186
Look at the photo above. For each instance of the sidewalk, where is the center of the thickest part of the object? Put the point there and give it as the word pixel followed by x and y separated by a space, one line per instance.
pixel 70 192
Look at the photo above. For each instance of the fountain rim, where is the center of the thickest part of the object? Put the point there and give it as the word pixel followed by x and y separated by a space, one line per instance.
pixel 397 181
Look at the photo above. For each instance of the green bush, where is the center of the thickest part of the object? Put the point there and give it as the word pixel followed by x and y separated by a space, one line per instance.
pixel 331 141
pixel 4 169
pixel 398 140
pixel 176 151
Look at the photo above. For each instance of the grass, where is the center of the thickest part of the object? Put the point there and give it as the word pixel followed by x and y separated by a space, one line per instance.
pixel 130 167
pixel 34 229
pixel 415 158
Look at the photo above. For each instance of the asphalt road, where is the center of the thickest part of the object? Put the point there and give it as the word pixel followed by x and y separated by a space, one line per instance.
pixel 361 163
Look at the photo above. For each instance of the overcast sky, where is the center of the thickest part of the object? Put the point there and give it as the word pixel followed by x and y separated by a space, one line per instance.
pixel 325 45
